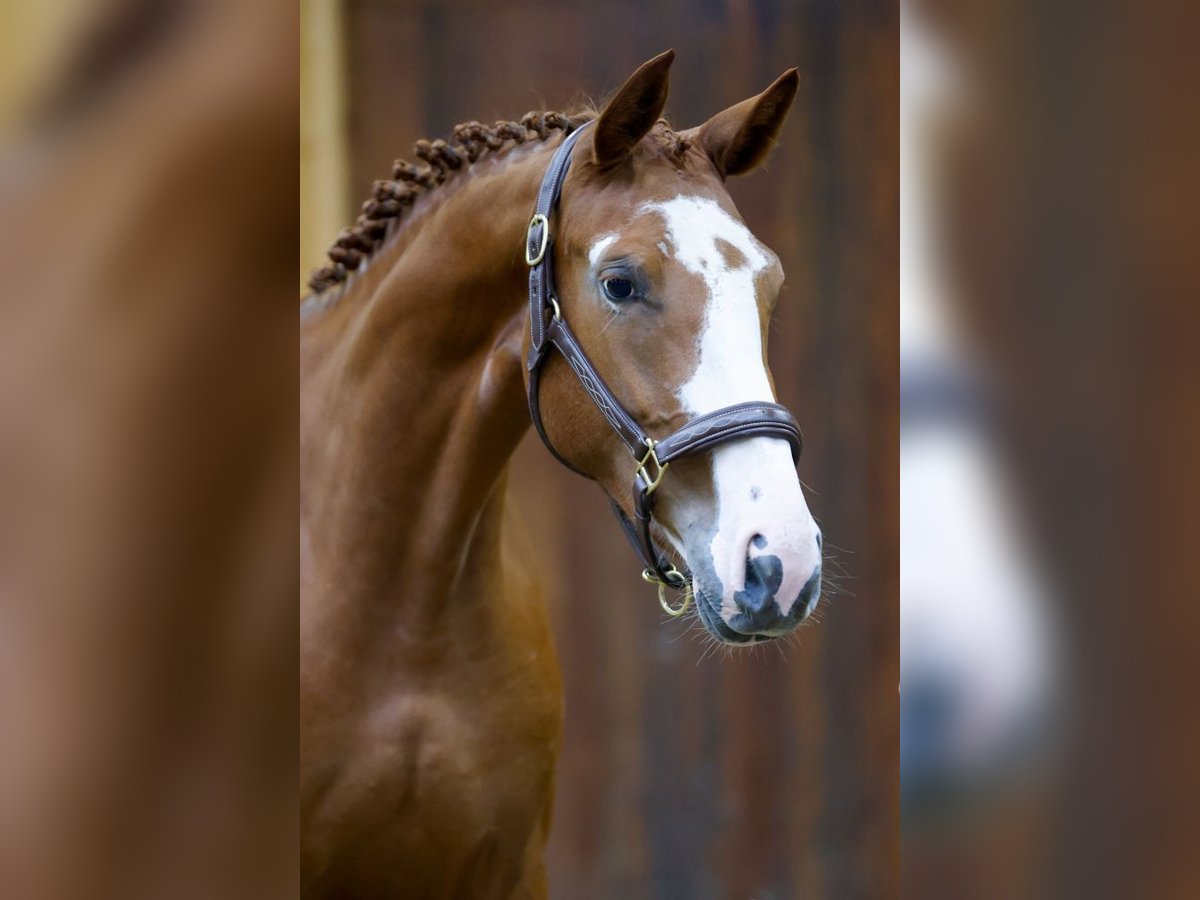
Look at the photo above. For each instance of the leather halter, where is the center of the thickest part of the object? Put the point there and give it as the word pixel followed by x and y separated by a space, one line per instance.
pixel 548 328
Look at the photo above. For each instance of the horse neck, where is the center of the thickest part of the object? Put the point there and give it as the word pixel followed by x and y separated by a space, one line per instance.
pixel 413 400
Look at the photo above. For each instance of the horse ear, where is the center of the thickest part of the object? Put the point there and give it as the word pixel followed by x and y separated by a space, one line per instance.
pixel 739 138
pixel 633 110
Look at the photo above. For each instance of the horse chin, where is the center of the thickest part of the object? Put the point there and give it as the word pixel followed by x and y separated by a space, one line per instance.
pixel 715 625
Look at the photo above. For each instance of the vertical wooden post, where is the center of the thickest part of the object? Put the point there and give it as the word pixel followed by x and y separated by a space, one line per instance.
pixel 33 41
pixel 323 161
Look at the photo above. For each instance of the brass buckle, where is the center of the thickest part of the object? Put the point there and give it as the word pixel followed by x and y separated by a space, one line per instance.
pixel 661 468
pixel 676 580
pixel 541 253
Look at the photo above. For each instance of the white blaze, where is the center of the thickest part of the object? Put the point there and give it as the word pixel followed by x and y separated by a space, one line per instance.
pixel 756 485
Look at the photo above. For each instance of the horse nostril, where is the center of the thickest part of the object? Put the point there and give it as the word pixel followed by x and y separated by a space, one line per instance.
pixel 809 592
pixel 764 574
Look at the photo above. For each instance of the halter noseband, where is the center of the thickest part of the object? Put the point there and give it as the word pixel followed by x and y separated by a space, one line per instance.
pixel 651 457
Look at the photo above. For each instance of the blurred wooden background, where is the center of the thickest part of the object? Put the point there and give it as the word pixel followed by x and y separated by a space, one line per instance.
pixel 770 775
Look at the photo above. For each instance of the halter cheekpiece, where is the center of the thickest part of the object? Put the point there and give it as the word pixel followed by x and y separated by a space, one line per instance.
pixel 650 458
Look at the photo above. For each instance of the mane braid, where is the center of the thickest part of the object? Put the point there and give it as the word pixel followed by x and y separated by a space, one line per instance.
pixel 440 160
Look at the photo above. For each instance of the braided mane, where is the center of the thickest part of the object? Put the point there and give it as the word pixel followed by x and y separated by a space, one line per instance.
pixel 441 159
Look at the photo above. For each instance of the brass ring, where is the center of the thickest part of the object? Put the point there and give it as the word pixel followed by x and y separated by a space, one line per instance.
pixel 674 612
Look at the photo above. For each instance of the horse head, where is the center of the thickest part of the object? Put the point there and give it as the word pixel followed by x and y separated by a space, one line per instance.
pixel 671 295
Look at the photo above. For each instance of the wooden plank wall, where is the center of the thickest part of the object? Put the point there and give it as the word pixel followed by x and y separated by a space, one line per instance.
pixel 768 775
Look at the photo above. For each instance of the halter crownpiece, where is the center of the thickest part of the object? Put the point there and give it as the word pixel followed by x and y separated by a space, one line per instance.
pixel 650 457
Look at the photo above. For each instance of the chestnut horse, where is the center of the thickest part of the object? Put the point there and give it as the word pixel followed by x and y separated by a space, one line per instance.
pixel 431 700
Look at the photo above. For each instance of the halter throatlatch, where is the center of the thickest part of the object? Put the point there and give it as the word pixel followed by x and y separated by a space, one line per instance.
pixel 650 457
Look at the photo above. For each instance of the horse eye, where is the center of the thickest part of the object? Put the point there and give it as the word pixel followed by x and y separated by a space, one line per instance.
pixel 618 289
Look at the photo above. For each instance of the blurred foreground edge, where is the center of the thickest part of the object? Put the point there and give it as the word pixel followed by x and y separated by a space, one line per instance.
pixel 1064 186
pixel 147 459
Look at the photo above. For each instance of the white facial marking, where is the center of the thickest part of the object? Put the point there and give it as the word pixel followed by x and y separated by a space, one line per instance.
pixel 758 492
pixel 599 247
